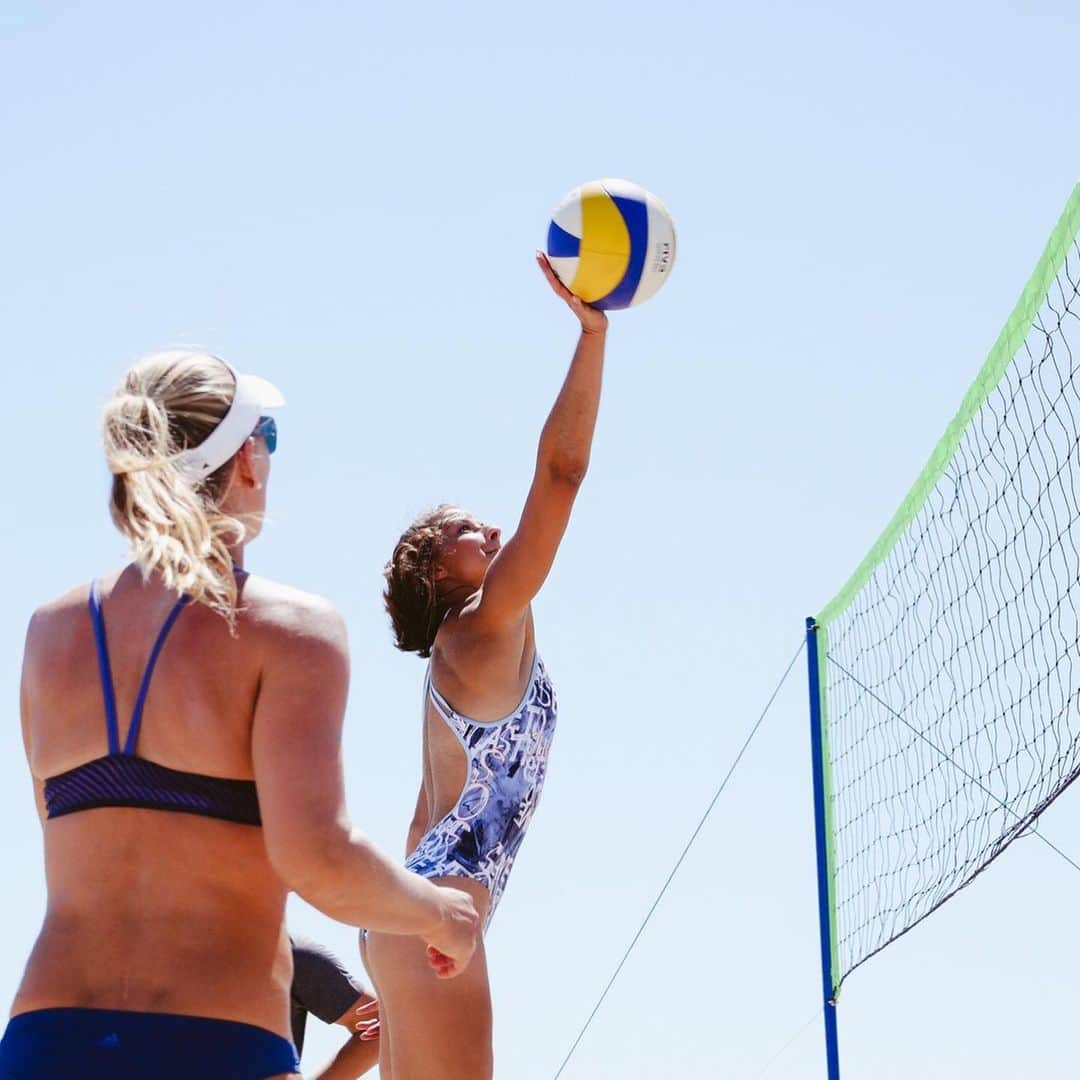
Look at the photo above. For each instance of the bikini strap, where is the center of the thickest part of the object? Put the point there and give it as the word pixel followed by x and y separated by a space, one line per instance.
pixel 104 667
pixel 144 687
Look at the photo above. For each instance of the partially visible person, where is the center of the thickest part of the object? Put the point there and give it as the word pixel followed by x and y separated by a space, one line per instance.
pixel 324 987
pixel 182 725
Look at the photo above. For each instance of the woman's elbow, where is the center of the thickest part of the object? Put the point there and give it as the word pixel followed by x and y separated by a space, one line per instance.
pixel 305 865
pixel 568 472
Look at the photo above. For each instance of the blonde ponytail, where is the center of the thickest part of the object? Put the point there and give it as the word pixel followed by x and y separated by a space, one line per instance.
pixel 166 404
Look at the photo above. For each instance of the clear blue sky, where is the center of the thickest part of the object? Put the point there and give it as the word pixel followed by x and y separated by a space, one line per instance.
pixel 346 200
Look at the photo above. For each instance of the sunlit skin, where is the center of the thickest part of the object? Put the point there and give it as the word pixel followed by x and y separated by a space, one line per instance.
pixel 481 662
pixel 245 497
pixel 466 551
pixel 360 1053
pixel 163 942
pixel 176 913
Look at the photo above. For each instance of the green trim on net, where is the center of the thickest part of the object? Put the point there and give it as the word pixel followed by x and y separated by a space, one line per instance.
pixel 1005 348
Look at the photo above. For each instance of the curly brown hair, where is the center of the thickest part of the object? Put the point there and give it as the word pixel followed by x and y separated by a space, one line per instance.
pixel 411 598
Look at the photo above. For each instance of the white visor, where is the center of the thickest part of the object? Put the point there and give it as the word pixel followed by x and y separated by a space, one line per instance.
pixel 252 398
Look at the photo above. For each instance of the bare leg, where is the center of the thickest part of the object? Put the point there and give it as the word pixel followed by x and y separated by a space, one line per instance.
pixel 386 1070
pixel 439 1029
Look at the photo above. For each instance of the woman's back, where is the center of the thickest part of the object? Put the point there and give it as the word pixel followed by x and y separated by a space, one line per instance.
pixel 154 909
pixel 182 724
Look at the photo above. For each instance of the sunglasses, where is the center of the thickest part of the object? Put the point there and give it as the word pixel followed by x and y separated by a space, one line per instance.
pixel 266 428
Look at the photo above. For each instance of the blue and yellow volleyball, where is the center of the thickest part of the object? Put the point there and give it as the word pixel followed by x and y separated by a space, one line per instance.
pixel 612 243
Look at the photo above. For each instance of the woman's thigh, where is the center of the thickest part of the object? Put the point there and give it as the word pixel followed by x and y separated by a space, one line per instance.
pixel 438 1029
pixel 386 1068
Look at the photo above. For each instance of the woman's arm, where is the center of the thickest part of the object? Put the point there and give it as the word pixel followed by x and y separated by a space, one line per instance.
pixel 352 1060
pixel 358 1054
pixel 29 655
pixel 520 568
pixel 418 825
pixel 296 752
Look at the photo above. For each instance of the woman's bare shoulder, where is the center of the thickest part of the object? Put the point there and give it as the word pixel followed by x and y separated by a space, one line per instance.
pixel 53 623
pixel 274 608
pixel 477 656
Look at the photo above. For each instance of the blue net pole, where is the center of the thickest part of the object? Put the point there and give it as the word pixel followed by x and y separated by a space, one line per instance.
pixel 832 1047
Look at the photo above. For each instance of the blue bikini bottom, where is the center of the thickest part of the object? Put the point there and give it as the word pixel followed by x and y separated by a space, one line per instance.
pixel 108 1044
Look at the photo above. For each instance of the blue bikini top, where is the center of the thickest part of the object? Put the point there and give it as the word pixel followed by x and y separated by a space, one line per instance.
pixel 119 778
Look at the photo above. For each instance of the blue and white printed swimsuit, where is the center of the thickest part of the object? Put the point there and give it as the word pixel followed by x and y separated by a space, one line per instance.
pixel 507 762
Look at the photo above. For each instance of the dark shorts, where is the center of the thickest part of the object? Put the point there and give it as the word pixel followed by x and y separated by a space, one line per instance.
pixel 108 1044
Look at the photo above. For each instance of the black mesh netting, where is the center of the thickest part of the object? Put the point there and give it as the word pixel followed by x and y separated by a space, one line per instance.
pixel 953 676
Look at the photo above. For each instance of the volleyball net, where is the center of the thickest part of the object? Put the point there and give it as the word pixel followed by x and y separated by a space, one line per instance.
pixel 948 667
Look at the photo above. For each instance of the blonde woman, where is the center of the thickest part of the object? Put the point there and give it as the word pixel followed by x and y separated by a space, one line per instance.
pixel 456 594
pixel 182 723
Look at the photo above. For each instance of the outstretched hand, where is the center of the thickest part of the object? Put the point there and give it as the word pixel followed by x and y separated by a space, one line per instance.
pixel 593 320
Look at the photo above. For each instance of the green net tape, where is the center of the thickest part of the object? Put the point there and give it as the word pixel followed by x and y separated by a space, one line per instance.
pixel 1009 340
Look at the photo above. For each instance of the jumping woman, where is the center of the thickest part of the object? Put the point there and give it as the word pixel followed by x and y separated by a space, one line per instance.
pixel 458 596
pixel 182 723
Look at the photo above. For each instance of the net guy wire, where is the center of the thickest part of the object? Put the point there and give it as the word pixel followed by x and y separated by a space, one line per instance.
pixel 790 1042
pixel 679 861
pixel 937 749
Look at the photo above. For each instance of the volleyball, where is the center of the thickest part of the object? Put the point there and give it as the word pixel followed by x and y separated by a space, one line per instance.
pixel 612 243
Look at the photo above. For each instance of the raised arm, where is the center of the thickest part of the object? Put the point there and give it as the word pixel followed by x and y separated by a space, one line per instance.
pixel 296 750
pixel 520 568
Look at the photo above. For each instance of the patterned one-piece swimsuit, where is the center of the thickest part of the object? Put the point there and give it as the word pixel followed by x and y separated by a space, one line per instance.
pixel 507 761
